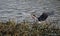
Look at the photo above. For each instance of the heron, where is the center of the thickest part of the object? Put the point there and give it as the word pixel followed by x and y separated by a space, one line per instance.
pixel 43 16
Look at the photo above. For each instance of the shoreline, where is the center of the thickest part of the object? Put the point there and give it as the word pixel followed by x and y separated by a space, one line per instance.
pixel 11 28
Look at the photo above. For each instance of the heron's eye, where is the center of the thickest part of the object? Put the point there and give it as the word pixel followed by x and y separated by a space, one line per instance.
pixel 34 15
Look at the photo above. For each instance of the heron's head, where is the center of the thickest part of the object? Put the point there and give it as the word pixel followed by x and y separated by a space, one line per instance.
pixel 33 16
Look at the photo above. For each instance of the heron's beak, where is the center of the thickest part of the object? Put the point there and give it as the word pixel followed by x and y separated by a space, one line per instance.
pixel 33 16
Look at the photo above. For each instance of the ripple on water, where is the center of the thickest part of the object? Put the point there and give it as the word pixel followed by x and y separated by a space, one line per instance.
pixel 6 12
pixel 19 13
pixel 3 18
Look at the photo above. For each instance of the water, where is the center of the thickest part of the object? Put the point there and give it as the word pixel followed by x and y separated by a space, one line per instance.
pixel 20 9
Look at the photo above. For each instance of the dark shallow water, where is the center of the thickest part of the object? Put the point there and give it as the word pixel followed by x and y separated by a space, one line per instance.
pixel 21 9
